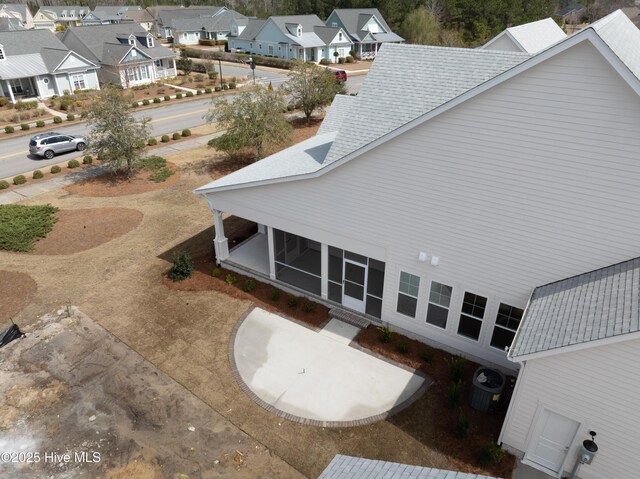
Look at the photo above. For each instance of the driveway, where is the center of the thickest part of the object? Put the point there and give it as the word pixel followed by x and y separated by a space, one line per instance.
pixel 315 377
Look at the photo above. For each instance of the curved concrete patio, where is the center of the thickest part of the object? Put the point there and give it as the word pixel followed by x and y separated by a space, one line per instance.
pixel 315 377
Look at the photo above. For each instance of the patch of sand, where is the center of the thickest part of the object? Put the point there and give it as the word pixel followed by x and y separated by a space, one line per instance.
pixel 16 290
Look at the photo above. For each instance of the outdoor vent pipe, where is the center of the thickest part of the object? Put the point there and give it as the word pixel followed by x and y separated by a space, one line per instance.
pixel 587 452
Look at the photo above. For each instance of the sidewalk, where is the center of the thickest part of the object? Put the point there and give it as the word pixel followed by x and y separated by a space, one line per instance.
pixel 29 191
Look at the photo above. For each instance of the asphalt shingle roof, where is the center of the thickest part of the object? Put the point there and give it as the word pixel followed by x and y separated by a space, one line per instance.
pixel 165 17
pixel 59 10
pixel 251 30
pixel 354 20
pixel 218 23
pixel 592 306
pixel 535 36
pixel 337 114
pixel 347 467
pixel 20 8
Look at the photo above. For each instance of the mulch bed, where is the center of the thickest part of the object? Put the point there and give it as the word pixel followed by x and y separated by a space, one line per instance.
pixel 108 184
pixel 16 290
pixel 83 229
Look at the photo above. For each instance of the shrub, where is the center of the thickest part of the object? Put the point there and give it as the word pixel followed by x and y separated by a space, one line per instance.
pixel 4 185
pixel 207 90
pixel 350 59
pixel 9 129
pixel 153 163
pixel 85 114
pixel 73 164
pixel 55 169
pixel 135 104
pixel 39 123
pixel 160 175
pixel 274 295
pixel 24 126
pixel 456 368
pixel 403 348
pixel 461 426
pixel 232 86
pixel 341 60
pixel 21 226
pixel 156 100
pixel 308 307
pixel 217 88
pixel 225 86
pixel 182 266
pixel 385 334
pixel 57 119
pixel 165 139
pixel 71 117
pixel 212 75
pixel 145 102
pixel 199 92
pixel 167 98
pixel 87 160
pixel 26 105
pixel 152 142
pixel 249 285
pixel 189 94
pixel 178 96
pixel 490 454
pixel 452 398
pixel 4 101
pixel 426 356
pixel 37 175
pixel 216 273
pixel 19 180
pixel 230 279
pixel 176 136
pixel 292 302
pixel 186 132
pixel 324 61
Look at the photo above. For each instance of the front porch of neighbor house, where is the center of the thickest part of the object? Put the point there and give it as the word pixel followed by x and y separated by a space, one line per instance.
pixel 322 271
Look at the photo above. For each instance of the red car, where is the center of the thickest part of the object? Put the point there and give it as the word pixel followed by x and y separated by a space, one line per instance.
pixel 341 75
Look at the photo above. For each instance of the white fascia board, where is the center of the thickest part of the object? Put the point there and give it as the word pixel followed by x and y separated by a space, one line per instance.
pixel 71 52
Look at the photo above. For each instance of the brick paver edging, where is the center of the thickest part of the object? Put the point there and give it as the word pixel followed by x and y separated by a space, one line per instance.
pixel 315 422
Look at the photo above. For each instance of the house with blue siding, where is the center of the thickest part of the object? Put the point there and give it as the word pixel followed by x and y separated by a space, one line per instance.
pixel 303 37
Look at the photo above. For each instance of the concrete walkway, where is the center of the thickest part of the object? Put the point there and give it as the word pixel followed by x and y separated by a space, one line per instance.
pixel 316 377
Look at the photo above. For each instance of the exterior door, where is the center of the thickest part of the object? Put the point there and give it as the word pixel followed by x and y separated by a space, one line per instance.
pixel 354 285
pixel 552 437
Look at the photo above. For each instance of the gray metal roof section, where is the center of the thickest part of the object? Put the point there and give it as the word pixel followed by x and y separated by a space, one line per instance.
pixel 336 115
pixel 251 30
pixel 593 306
pixel 438 75
pixel 23 66
pixel 347 467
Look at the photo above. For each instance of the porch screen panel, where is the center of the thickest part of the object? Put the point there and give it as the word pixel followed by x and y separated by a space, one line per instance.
pixel 375 285
pixel 297 261
pixel 335 274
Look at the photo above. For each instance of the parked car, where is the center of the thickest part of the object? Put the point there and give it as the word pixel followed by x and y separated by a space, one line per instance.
pixel 341 75
pixel 47 145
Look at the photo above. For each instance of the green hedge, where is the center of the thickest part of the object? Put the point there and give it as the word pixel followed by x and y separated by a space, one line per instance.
pixel 235 57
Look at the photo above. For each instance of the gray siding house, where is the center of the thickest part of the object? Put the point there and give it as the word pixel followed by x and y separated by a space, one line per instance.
pixel 189 31
pixel 127 54
pixel 166 16
pixel 35 64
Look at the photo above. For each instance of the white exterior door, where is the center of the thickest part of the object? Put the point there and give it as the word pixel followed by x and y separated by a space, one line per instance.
pixel 354 285
pixel 552 437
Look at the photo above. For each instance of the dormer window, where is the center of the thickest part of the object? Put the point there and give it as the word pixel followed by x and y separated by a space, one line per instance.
pixel 334 24
pixel 2 57
pixel 299 31
pixel 340 36
pixel 149 42
pixel 132 40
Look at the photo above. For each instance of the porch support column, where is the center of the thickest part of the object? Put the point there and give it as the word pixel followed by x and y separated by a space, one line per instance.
pixel 324 270
pixel 13 98
pixel 220 243
pixel 272 256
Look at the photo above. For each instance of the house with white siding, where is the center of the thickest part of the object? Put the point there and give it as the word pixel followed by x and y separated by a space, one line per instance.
pixel 528 38
pixel 57 18
pixel 17 13
pixel 479 177
pixel 578 348
pixel 189 31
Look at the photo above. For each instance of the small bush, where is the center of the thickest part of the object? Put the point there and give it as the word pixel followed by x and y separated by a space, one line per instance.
pixel 178 96
pixel 217 88
pixel 249 285
pixel 350 59
pixel 225 86
pixel 452 398
pixel 39 123
pixel 165 139
pixel 167 98
pixel 456 368
pixel 135 104
pixel 19 180
pixel 4 185
pixel 490 454
pixel 232 86
pixel 182 266
pixel 37 175
pixel 87 160
pixel 403 348
pixel 292 302
pixel 9 129
pixel 152 142
pixel 199 92
pixel 24 126
pixel 189 94
pixel 160 175
pixel 153 163
pixel 4 101
pixel 73 164
pixel 176 136
pixel 186 132
pixel 55 169
pixel 71 117
pixel 216 273
pixel 156 100
pixel 308 307
pixel 25 105
pixel 145 102
pixel 274 295
pixel 207 90
pixel 426 356
pixel 212 76
pixel 341 60
pixel 84 114
pixel 461 426
pixel 324 61
pixel 57 119
pixel 385 334
pixel 230 279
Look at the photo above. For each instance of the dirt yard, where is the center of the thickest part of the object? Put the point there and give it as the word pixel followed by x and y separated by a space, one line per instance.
pixel 185 335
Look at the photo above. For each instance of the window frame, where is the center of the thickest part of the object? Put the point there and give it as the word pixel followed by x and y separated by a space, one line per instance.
pixel 505 328
pixel 471 316
pixel 399 292
pixel 79 78
pixel 3 56
pixel 431 302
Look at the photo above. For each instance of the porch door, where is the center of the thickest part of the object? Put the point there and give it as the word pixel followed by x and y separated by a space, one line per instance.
pixel 552 437
pixel 354 285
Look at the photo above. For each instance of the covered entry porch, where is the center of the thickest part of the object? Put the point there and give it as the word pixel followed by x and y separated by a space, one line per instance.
pixel 334 275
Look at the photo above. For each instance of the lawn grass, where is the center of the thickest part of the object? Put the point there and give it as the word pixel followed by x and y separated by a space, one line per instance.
pixel 21 226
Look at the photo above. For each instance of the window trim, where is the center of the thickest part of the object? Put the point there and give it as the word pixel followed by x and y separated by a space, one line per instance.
pixel 496 325
pixel 481 319
pixel 82 78
pixel 3 56
pixel 429 302
pixel 398 293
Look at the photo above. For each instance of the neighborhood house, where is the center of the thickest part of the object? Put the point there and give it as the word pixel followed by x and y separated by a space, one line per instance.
pixel 189 31
pixel 59 17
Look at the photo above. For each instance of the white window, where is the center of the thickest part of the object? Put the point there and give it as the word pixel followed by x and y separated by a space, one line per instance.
pixel 132 40
pixel 134 53
pixel 334 24
pixel 408 294
pixel 2 57
pixel 270 49
pixel 78 82
pixel 507 323
pixel 150 42
pixel 473 308
pixel 138 73
pixel 158 63
pixel 299 32
pixel 439 301
pixel 340 36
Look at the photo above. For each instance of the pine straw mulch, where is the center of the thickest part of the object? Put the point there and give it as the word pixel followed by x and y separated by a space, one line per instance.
pixel 16 291
pixel 109 184
pixel 83 229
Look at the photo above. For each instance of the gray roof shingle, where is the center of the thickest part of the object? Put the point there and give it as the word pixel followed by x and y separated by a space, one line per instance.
pixel 589 307
pixel 534 36
pixel 337 114
pixel 354 20
pixel 254 25
pixel 165 17
pixel 218 23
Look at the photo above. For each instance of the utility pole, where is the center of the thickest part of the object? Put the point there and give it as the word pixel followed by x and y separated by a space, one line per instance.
pixel 252 64
pixel 220 66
